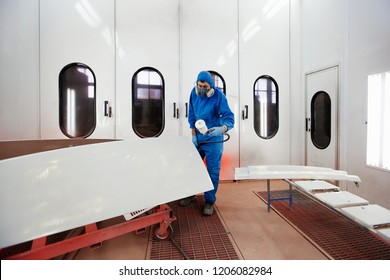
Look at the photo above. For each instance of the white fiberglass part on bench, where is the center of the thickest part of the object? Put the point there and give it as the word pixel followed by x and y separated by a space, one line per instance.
pixel 371 216
pixel 313 186
pixel 50 192
pixel 341 199
pixel 262 172
pixel 385 233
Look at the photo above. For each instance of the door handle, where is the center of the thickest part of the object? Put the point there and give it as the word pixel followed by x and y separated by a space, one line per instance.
pixel 245 112
pixel 175 111
pixel 107 109
pixel 308 124
pixel 186 110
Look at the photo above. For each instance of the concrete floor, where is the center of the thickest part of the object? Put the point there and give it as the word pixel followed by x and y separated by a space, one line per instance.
pixel 256 233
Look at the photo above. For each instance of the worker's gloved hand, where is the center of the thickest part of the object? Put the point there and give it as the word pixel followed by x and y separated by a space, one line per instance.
pixel 216 131
pixel 195 140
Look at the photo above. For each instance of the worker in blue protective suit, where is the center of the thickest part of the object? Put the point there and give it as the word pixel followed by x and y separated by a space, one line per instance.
pixel 208 103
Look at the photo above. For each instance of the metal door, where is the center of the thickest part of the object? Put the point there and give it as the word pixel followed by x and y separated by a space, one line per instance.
pixel 322 118
pixel 209 42
pixel 78 36
pixel 264 76
pixel 147 39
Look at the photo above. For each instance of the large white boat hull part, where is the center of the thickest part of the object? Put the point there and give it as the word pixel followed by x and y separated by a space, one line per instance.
pixel 54 191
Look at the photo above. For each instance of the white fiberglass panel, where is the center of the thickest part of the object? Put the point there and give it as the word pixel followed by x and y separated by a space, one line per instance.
pixel 316 186
pixel 385 233
pixel 262 172
pixel 53 191
pixel 341 199
pixel 371 216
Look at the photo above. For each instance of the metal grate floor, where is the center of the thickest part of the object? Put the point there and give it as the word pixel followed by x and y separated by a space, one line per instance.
pixel 199 237
pixel 332 232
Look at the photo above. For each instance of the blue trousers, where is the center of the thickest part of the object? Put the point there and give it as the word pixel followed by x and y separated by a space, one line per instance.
pixel 213 154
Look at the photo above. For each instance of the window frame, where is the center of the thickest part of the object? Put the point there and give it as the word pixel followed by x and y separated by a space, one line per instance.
pixel 258 131
pixel 135 86
pixel 61 98
pixel 216 74
pixel 313 120
pixel 377 136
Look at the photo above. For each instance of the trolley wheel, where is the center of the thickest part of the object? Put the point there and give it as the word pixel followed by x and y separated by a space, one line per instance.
pixel 165 236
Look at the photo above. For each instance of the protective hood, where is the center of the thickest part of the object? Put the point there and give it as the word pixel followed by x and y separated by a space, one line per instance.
pixel 206 77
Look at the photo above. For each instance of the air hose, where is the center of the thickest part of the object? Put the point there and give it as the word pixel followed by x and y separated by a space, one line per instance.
pixel 186 257
pixel 215 142
pixel 202 128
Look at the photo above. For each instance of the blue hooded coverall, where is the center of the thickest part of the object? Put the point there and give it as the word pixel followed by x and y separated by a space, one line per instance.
pixel 215 111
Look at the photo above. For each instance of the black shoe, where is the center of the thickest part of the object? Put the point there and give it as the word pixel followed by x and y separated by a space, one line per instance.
pixel 208 208
pixel 186 201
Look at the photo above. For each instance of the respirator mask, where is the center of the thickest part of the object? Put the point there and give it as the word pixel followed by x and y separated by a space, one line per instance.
pixel 202 91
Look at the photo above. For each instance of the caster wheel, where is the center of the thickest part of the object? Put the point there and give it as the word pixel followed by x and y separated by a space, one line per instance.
pixel 162 236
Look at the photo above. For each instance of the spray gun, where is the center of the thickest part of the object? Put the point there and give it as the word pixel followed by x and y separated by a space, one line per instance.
pixel 202 128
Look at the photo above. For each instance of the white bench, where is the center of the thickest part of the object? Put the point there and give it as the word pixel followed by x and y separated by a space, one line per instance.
pixel 289 173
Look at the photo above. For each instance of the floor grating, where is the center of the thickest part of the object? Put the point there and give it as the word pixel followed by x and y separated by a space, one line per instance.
pixel 332 232
pixel 199 237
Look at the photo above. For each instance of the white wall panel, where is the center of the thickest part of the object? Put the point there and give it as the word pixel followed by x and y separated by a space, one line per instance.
pixel 264 50
pixel 323 33
pixel 297 99
pixel 355 35
pixel 147 35
pixel 209 41
pixel 19 69
pixel 368 54
pixel 76 31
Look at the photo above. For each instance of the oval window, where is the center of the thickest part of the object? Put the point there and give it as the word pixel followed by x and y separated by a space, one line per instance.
pixel 219 82
pixel 266 107
pixel 77 100
pixel 320 129
pixel 148 102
